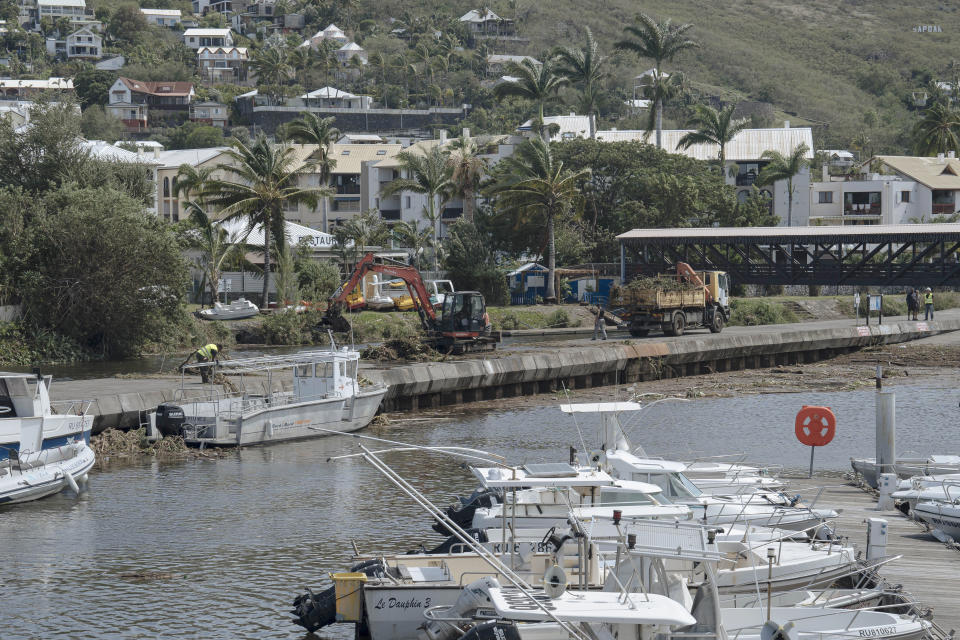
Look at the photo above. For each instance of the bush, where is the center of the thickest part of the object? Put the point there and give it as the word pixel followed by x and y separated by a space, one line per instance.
pixel 756 312
pixel 558 319
pixel 22 345
pixel 508 321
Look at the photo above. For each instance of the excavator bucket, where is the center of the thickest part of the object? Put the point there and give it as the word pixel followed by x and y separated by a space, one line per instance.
pixel 333 319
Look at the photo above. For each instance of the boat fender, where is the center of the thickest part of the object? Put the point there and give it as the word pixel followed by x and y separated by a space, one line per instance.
pixel 70 481
pixel 773 630
pixel 554 582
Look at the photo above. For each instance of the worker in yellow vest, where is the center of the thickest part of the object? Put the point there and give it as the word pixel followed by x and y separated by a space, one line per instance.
pixel 206 353
pixel 928 304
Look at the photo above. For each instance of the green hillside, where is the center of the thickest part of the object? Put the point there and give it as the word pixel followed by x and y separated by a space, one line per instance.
pixel 820 62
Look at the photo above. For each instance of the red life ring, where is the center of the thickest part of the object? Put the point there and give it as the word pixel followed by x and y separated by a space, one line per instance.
pixel 815 426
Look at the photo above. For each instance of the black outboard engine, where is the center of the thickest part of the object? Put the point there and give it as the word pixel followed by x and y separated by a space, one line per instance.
pixel 463 515
pixel 492 630
pixel 170 419
pixel 316 610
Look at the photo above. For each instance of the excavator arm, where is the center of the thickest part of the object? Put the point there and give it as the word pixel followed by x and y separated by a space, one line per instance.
pixel 410 276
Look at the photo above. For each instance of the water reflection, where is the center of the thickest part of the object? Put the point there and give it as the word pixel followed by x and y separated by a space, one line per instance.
pixel 241 535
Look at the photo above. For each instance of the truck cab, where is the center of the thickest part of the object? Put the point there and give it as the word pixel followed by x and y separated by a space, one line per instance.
pixel 718 283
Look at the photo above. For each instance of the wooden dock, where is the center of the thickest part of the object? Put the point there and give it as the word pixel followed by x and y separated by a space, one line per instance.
pixel 928 569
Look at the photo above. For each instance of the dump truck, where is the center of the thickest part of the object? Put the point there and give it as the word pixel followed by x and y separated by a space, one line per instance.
pixel 674 303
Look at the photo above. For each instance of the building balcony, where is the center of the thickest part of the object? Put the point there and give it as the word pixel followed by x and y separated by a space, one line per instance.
pixel 390 214
pixel 942 209
pixel 746 179
pixel 348 189
pixel 861 210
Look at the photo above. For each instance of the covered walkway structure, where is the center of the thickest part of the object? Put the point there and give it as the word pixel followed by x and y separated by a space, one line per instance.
pixel 877 255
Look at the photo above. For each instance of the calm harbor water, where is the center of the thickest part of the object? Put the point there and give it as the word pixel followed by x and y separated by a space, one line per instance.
pixel 242 535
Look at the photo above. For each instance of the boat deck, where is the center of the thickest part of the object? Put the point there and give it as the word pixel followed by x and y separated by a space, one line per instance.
pixel 928 569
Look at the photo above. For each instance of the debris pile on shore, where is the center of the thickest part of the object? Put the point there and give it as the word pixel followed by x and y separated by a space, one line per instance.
pixel 404 348
pixel 113 443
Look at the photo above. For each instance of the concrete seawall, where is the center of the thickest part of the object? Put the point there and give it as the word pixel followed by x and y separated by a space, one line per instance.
pixel 424 385
pixel 123 403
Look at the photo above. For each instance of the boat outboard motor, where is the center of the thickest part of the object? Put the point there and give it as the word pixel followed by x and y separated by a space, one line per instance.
pixel 315 611
pixel 474 596
pixel 463 515
pixel 493 630
pixel 170 419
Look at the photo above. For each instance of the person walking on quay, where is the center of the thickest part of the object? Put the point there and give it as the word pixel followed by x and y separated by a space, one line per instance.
pixel 913 304
pixel 928 304
pixel 599 326
pixel 206 353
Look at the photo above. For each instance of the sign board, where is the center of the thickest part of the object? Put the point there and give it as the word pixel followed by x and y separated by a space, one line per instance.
pixel 227 284
pixel 856 300
pixel 863 331
pixel 876 303
pixel 536 281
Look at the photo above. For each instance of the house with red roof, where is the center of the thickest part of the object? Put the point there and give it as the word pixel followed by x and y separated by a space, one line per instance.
pixel 136 102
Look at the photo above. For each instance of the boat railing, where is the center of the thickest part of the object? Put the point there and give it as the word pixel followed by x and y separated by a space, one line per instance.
pixel 15 462
pixel 70 407
pixel 251 402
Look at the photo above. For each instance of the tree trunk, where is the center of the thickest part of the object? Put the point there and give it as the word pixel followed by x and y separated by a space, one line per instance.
pixel 213 281
pixel 790 203
pixel 659 125
pixel 266 264
pixel 435 223
pixel 469 204
pixel 323 214
pixel 551 262
pixel 593 125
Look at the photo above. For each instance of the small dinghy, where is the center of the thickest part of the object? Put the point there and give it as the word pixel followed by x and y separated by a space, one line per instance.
pixel 236 310
pixel 31 476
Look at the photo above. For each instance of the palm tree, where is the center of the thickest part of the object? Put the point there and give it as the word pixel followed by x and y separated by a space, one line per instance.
pixel 260 180
pixel 191 180
pixel 784 167
pixel 937 131
pixel 325 57
pixel 661 42
pixel 535 185
pixel 312 129
pixel 584 67
pixel 469 167
pixel 217 246
pixel 538 83
pixel 300 60
pixel 411 236
pixel 429 174
pixel 713 127
pixel 366 229
pixel 272 67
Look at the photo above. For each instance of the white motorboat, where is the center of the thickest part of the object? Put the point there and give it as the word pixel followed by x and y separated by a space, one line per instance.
pixel 26 412
pixel 236 310
pixel 326 396
pixel 377 299
pixel 26 476
pixel 907 467
pixel 945 488
pixel 940 515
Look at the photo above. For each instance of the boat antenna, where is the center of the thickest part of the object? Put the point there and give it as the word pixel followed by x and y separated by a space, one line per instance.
pixel 645 407
pixel 458 532
pixel 490 457
pixel 576 423
pixel 333 343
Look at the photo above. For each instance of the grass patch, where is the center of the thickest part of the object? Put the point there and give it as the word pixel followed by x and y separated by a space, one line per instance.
pixel 756 311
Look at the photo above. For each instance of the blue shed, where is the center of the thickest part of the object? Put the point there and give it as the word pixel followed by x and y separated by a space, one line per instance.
pixel 527 283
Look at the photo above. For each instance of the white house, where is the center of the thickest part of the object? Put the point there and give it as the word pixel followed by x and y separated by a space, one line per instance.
pixel 223 64
pixel 332 33
pixel 196 38
pixel 497 62
pixel 839 158
pixel 54 9
pixel 162 17
pixel 487 23
pixel 84 44
pixel 888 190
pixel 351 50
pixel 331 98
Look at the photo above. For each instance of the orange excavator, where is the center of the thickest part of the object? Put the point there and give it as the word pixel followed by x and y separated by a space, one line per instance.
pixel 463 324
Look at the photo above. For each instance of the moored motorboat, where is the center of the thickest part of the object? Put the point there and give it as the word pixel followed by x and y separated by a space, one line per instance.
pixel 236 310
pixel 933 465
pixel 326 395
pixel 31 476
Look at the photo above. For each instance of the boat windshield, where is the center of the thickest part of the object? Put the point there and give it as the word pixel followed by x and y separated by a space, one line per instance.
pixel 615 496
pixel 674 485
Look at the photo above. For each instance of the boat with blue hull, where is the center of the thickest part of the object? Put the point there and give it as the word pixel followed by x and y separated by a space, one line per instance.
pixel 44 445
pixel 25 404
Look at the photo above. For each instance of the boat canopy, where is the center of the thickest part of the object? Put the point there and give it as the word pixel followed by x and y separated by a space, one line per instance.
pixel 542 475
pixel 589 606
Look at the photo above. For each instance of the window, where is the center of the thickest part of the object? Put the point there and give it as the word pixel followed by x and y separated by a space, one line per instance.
pixel 825 197
pixel 166 187
pixel 904 196
pixel 381 152
pixel 406 202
